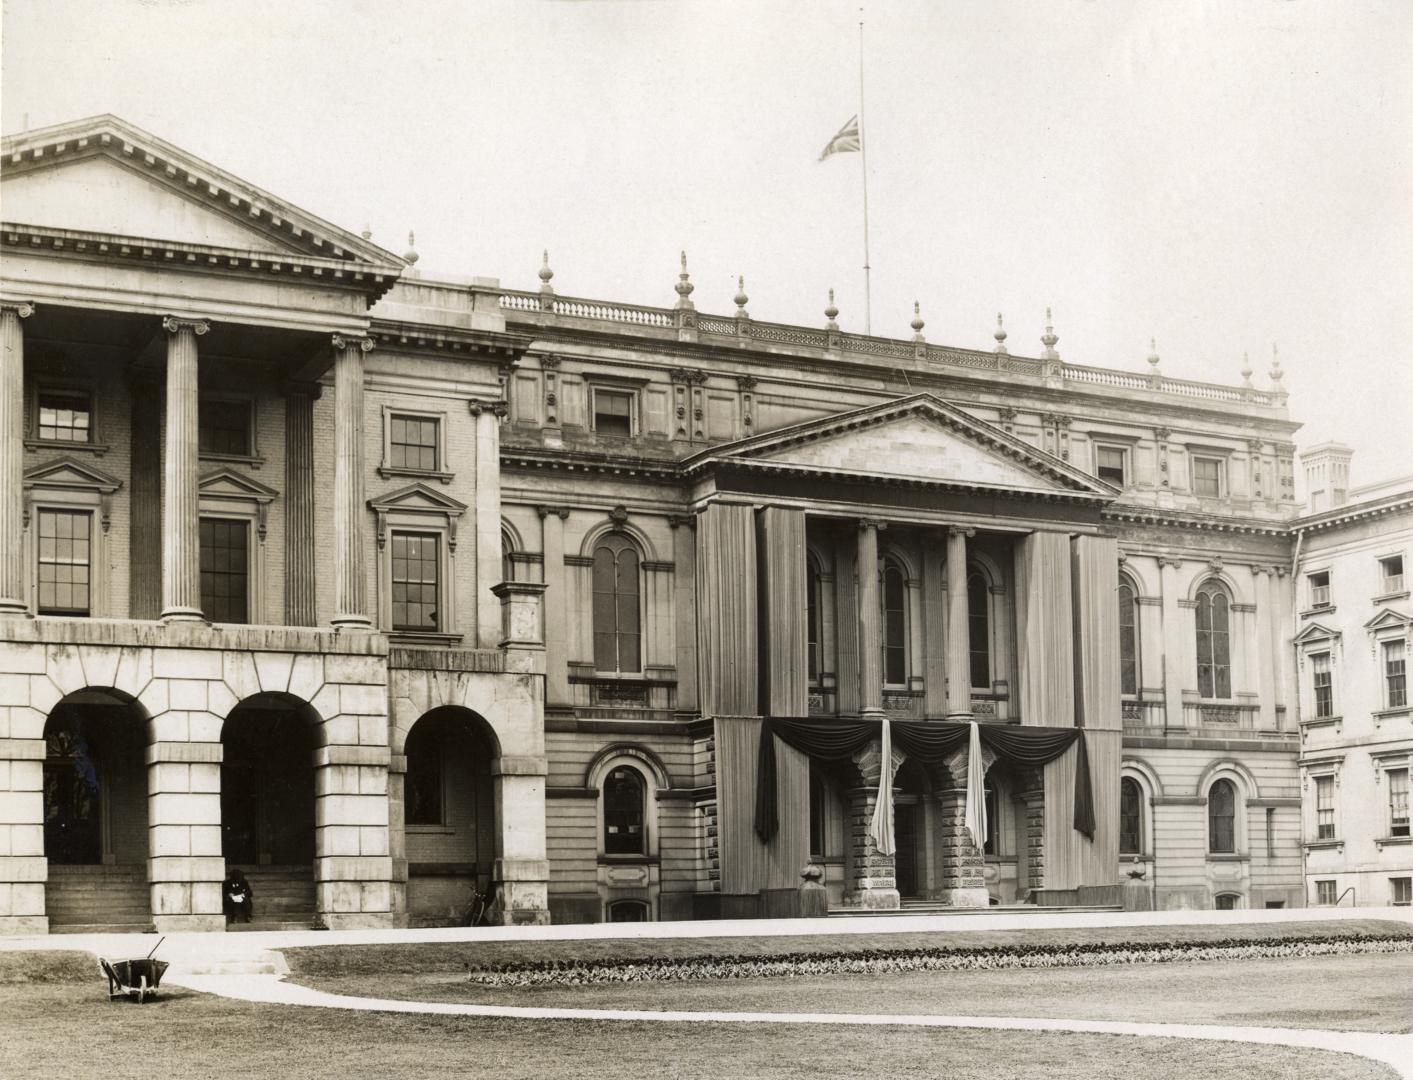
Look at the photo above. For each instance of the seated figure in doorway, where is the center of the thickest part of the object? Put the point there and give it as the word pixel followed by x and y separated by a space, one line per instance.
pixel 237 896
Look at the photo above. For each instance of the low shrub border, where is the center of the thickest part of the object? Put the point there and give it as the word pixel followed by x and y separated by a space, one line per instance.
pixel 893 961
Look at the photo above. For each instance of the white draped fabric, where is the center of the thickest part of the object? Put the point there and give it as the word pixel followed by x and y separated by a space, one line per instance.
pixel 974 814
pixel 881 827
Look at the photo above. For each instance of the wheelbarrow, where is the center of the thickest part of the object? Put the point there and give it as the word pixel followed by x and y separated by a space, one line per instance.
pixel 137 979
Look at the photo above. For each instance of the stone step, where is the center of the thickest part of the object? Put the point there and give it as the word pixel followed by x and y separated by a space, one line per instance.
pixel 923 907
pixel 103 928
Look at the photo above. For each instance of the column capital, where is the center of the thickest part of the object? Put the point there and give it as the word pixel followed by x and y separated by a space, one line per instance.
pixel 21 309
pixel 561 512
pixel 964 531
pixel 682 521
pixel 174 325
pixel 302 388
pixel 876 524
pixel 1170 561
pixel 477 406
pixel 349 341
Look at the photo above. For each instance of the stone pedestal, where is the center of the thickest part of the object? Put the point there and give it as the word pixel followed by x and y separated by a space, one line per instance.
pixel 872 878
pixel 12 454
pixel 1033 857
pixel 181 543
pixel 520 878
pixel 963 863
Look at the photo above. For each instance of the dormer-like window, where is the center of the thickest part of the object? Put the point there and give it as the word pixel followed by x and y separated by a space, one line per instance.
pixel 224 427
pixel 65 416
pixel 613 412
pixel 1320 589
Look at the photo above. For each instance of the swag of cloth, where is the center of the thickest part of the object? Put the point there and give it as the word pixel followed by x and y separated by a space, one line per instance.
pixel 926 742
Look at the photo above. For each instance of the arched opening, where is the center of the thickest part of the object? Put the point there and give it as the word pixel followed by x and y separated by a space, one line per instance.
pixel 616 614
pixel 449 814
pixel 894 595
pixel 1221 818
pixel 628 911
pixel 912 867
pixel 625 812
pixel 1130 817
pixel 1128 638
pixel 1213 640
pixel 1005 843
pixel 979 630
pixel 95 813
pixel 267 805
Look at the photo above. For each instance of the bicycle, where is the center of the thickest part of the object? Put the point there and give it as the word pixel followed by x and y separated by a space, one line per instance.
pixel 481 910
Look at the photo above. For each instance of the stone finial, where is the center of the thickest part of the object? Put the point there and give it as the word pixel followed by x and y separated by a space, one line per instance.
pixel 1246 370
pixel 367 233
pixel 545 274
pixel 831 313
pixel 917 324
pixel 410 255
pixel 1049 338
pixel 684 286
pixel 1000 335
pixel 1153 358
pixel 741 298
pixel 1276 373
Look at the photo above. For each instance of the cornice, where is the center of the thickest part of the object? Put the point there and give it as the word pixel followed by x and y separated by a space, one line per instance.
pixel 1398 503
pixel 392 334
pixel 1130 514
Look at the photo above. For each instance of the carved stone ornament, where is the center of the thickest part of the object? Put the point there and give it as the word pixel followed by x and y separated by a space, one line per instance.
pixel 22 310
pixel 172 325
pixel 618 515
pixel 362 344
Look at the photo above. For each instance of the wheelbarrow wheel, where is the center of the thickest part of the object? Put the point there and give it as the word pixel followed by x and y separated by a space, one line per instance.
pixel 142 990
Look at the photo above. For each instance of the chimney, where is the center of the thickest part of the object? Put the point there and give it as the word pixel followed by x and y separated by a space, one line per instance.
pixel 1326 475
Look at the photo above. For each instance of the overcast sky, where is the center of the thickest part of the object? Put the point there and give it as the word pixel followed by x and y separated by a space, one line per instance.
pixel 1220 175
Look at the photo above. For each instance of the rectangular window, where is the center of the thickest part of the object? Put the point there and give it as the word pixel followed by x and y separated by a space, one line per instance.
pixel 1325 893
pixel 64 561
pixel 223 427
pixel 415 582
pixel 1324 808
pixel 1270 832
pixel 1207 477
pixel 1397 802
pixel 613 412
pixel 1395 675
pixel 1391 574
pixel 65 416
pixel 1324 685
pixel 225 570
pixel 412 443
pixel 1401 891
pixel 819 820
pixel 1319 589
pixel 1111 464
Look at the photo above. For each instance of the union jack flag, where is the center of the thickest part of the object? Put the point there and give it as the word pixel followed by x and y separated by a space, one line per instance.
pixel 846 141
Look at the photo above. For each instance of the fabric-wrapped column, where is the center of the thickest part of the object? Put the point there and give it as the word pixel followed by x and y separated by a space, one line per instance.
pixel 12 454
pixel 963 878
pixel 870 621
pixel 872 876
pixel 958 626
pixel 350 588
pixel 181 543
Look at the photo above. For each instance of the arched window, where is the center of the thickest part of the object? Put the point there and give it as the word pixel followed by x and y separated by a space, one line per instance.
pixel 1130 817
pixel 1213 641
pixel 616 636
pixel 628 911
pixel 895 624
pixel 1221 818
pixel 623 812
pixel 1128 637
pixel 979 626
pixel 507 564
pixel 1228 901
pixel 812 617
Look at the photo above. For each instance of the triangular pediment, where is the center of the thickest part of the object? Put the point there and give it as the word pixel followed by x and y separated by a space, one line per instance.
pixel 229 484
pixel 106 177
pixel 1315 632
pixel 417 497
pixel 915 440
pixel 1388 619
pixel 71 474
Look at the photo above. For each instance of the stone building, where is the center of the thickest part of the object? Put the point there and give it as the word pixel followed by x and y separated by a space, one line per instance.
pixel 387 588
pixel 1352 637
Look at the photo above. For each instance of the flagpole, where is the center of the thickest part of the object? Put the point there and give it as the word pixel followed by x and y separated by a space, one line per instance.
pixel 863 157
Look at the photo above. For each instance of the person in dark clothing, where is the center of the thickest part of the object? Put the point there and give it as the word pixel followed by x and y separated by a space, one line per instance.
pixel 237 897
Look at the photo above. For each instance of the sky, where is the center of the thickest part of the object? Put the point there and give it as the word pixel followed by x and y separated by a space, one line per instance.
pixel 1223 177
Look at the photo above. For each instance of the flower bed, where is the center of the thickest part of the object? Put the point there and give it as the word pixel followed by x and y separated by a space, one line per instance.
pixel 894 961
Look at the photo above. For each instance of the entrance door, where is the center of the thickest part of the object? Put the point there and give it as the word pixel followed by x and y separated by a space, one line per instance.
pixel 73 816
pixel 905 835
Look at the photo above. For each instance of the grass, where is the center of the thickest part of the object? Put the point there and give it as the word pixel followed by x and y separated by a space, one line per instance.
pixel 456 957
pixel 68 1028
pixel 1339 993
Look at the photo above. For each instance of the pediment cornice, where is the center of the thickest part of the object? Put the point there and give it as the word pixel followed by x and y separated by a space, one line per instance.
pixel 69 473
pixel 229 484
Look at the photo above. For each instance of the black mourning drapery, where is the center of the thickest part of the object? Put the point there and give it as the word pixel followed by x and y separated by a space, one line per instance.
pixel 929 743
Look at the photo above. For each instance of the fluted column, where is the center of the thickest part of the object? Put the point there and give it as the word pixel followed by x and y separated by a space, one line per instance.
pixel 300 568
pixel 552 520
pixel 488 566
pixel 181 541
pixel 958 625
pixel 350 588
pixel 12 454
pixel 870 621
pixel 1174 643
pixel 1266 631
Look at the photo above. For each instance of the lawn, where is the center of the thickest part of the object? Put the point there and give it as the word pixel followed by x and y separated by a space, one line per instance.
pixel 69 1029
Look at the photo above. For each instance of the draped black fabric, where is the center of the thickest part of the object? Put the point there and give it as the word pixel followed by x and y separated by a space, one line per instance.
pixel 928 743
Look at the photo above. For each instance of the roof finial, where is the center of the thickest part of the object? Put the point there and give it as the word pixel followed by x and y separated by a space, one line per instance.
pixel 546 274
pixel 410 255
pixel 684 286
pixel 367 232
pixel 1153 358
pixel 741 298
pixel 831 313
pixel 917 324
pixel 1000 335
pixel 1246 369
pixel 1049 338
pixel 1276 373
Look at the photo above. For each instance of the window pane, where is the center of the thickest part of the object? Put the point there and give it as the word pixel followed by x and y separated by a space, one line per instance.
pixel 416 569
pixel 979 631
pixel 623 798
pixel 615 606
pixel 412 443
pixel 1130 817
pixel 1109 463
pixel 1128 640
pixel 1221 817
pixel 224 570
pixel 895 656
pixel 613 412
pixel 1398 802
pixel 63 567
pixel 64 416
pixel 223 427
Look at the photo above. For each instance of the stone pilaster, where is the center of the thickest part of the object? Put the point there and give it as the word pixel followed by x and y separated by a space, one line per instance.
pixel 145 498
pixel 1267 632
pixel 872 877
pixel 556 598
pixel 684 561
pixel 1032 800
pixel 301 569
pixel 870 617
pixel 12 453
pixel 958 637
pixel 1174 672
pixel 963 864
pixel 488 566
pixel 181 544
pixel 846 618
pixel 520 877
pixel 185 863
pixel 350 584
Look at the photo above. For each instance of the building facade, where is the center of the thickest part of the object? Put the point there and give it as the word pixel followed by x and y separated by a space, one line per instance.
pixel 1352 637
pixel 388 590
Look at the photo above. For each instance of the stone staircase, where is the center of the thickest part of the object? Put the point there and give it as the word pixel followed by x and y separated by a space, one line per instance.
pixel 87 899
pixel 936 907
pixel 284 897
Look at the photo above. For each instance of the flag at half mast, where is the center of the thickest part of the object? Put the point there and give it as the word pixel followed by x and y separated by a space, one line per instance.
pixel 846 141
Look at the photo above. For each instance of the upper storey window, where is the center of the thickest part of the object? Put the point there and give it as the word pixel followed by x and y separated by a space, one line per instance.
pixel 65 542
pixel 1128 638
pixel 412 443
pixel 1208 479
pixel 617 641
pixel 812 617
pixel 1213 641
pixel 65 416
pixel 1391 574
pixel 1320 589
pixel 979 630
pixel 223 428
pixel 895 625
pixel 613 412
pixel 1111 464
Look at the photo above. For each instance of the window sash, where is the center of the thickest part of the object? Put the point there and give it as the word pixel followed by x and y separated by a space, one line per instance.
pixel 1398 802
pixel 1391 573
pixel 64 571
pixel 613 412
pixel 1221 818
pixel 895 642
pixel 979 632
pixel 1324 808
pixel 223 427
pixel 225 569
pixel 1111 463
pixel 416 582
pixel 412 442
pixel 1323 681
pixel 65 416
pixel 616 619
pixel 624 827
pixel 1395 675
pixel 1206 476
pixel 1128 641
pixel 1324 893
pixel 1130 818
pixel 1213 645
